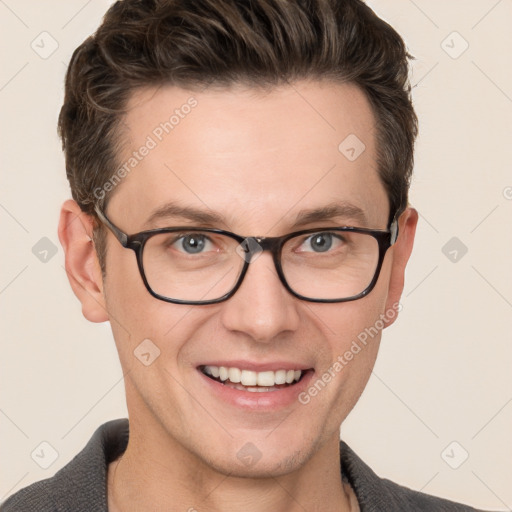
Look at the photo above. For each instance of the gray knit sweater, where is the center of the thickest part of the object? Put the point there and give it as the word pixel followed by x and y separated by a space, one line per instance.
pixel 81 486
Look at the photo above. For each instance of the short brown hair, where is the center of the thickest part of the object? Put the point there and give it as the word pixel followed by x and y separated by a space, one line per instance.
pixel 260 43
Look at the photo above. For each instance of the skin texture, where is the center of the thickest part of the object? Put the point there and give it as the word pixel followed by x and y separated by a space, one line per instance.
pixel 257 159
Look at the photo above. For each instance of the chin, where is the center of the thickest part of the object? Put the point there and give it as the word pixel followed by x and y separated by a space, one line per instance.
pixel 250 462
pixel 259 454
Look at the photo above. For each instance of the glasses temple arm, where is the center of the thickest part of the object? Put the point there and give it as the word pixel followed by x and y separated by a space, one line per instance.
pixel 122 237
pixel 393 229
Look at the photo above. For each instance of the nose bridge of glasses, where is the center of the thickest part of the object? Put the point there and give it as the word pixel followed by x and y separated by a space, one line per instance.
pixel 251 247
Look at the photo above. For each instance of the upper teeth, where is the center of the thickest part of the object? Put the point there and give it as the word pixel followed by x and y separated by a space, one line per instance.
pixel 250 378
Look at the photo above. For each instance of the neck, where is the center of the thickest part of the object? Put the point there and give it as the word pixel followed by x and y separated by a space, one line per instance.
pixel 156 473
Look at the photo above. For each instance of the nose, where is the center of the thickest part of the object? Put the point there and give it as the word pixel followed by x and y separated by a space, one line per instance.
pixel 262 307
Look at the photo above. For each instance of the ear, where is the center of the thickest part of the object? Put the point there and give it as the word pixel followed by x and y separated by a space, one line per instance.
pixel 401 252
pixel 82 265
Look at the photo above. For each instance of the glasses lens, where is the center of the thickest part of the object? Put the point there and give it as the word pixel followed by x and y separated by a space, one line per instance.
pixel 192 265
pixel 198 266
pixel 330 264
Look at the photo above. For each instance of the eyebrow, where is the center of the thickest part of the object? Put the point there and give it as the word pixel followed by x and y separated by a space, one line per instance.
pixel 330 212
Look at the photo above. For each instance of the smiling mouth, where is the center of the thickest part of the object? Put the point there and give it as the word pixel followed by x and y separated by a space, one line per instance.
pixel 254 382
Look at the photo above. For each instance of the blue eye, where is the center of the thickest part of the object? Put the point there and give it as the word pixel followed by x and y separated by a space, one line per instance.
pixel 321 242
pixel 193 243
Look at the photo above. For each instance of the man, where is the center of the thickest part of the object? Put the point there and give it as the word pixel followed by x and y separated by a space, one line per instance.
pixel 239 173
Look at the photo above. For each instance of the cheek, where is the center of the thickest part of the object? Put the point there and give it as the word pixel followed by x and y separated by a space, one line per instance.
pixel 350 349
pixel 125 294
pixel 135 315
pixel 345 323
pixel 352 331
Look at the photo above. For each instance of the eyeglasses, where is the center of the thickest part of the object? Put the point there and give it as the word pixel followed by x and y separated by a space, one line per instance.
pixel 190 265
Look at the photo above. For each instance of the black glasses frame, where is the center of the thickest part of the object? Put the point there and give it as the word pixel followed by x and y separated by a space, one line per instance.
pixel 252 245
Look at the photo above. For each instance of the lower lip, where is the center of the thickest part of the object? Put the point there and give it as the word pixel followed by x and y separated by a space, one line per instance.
pixel 254 400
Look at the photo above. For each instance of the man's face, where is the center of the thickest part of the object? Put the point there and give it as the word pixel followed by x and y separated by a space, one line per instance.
pixel 257 161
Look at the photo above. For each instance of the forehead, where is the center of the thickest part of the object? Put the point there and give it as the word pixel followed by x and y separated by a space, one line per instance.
pixel 254 157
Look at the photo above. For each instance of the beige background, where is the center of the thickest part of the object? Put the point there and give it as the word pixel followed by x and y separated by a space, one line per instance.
pixel 444 372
